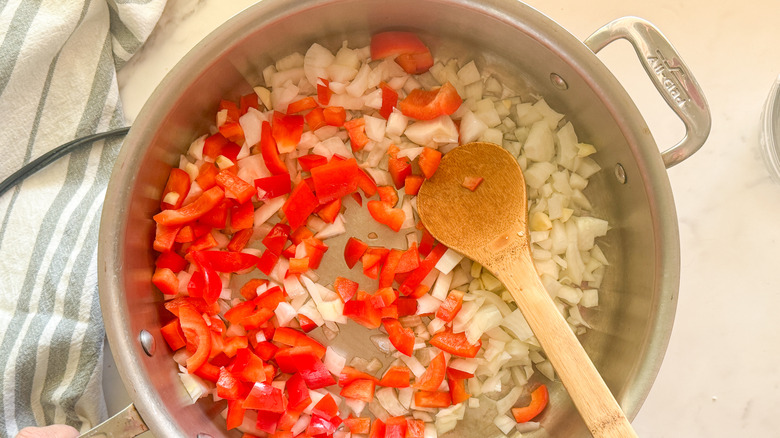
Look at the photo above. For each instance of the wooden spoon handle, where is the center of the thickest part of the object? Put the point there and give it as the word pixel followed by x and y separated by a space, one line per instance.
pixel 587 389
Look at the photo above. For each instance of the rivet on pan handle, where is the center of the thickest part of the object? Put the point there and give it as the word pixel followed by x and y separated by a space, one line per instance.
pixel 670 76
pixel 125 424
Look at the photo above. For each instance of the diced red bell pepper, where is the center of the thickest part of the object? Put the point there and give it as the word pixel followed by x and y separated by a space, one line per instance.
pixel 294 338
pixel 385 296
pixel 276 239
pixel 173 335
pixel 335 179
pixel 335 116
pixel 426 243
pixel 197 333
pixel 415 429
pixel 265 397
pixel 242 216
pixel 207 175
pixel 360 389
pixel 266 351
pixel 453 373
pixel 362 312
pixel 208 372
pixel 429 104
pixel 300 205
pixel 315 119
pixel 356 128
pixel 268 421
pixel 395 427
pixel 227 261
pixel 310 161
pixel 345 287
pixel 217 216
pixel 286 423
pixel 247 366
pixel 257 318
pixel 165 237
pixel 330 211
pixel 455 343
pixel 458 390
pixel 306 323
pixel 230 387
pixel 300 234
pixel 429 161
pixel 198 304
pixel 232 131
pixel 304 360
pixel 377 429
pixel 166 280
pixel 212 146
pixel 387 215
pixel 409 261
pixel 353 251
pixel 390 311
pixel 192 211
pixel 249 289
pixel 432 399
pixel 396 377
pixel 450 306
pixel 267 262
pixel 360 425
pixel 350 374
pixel 179 183
pixel 419 274
pixel 270 151
pixel 235 414
pixel 389 100
pixel 366 184
pixel 233 112
pixel 389 270
pixel 401 338
pixel 287 131
pixel 270 299
pixel 433 375
pixel 372 260
pixel 400 169
pixel 298 265
pixel 273 186
pixel 297 393
pixel 323 91
pixel 212 283
pixel 248 101
pixel 326 407
pixel 314 249
pixel 472 182
pixel 320 426
pixel 539 400
pixel 388 195
pixel 407 49
pixel 406 306
pixel 412 184
pixel 301 105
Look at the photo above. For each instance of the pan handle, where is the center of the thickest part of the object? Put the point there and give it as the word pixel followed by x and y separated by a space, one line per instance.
pixel 670 76
pixel 125 424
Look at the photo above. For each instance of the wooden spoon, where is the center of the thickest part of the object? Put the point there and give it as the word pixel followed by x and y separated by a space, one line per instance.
pixel 490 226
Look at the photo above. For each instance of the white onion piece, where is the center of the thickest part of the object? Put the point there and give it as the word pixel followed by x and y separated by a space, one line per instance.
pixel 310 311
pixel 430 431
pixel 427 304
pixel 357 406
pixel 285 313
pixel 302 423
pixel 516 324
pixel 504 423
pixel 504 404
pixel 448 261
pixel 442 286
pixel 464 364
pixel 268 209
pixel 382 343
pixel 316 62
pixel 293 287
pixel 396 124
pixel 413 364
pixel 528 426
pixel 195 386
pixel 486 318
pixel 337 228
pixel 332 311
pixel 405 396
pixel 439 130
pixel 389 400
pixel 333 361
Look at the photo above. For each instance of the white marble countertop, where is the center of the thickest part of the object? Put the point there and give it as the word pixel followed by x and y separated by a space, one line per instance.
pixel 720 377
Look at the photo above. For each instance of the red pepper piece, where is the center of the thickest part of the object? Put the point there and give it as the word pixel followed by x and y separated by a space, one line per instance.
pixel 387 215
pixel 384 297
pixel 212 283
pixel 166 281
pixel 314 249
pixel 229 387
pixel 453 373
pixel 226 261
pixel 330 211
pixel 407 48
pixel 310 161
pixel 412 184
pixel 350 374
pixel 356 128
pixel 270 151
pixel 267 262
pixel 300 234
pixel 297 393
pixel 247 366
pixel 165 237
pixel 248 101
pixel 335 116
pixel 270 299
pixel 173 335
pixel 366 184
pixel 249 289
pixel 266 351
pixel 400 169
pixel 268 421
pixel 294 338
pixel 217 216
pixel 273 186
pixel 326 407
pixel 313 371
pixel 402 339
pixel 233 113
pixel 235 414
pixel 389 270
pixel 409 261
pixel 451 306
pixel 426 243
pixel 320 426
pixel 323 91
pixel 406 306
pixel 429 104
pixel 360 425
pixel 458 390
pixel 265 397
pixel 287 131
pixel 179 183
pixel 419 274
pixel 472 182
pixel 233 132
pixel 335 179
pixel 207 175
pixel 300 205
pixel 353 251
pixel 298 265
pixel 345 287
pixel 212 146
pixel 276 239
pixel 198 304
pixel 315 119
pixel 197 333
pixel 429 161
pixel 171 260
pixel 377 429
pixel 539 400
pixel 455 343
pixel 306 323
pixel 415 429
pixel 242 216
pixel 301 105
pixel 433 375
pixel 395 427
pixel 192 211
pixel 396 377
pixel 389 100
pixel 363 313
pixel 360 389
pixel 388 195
pixel 432 399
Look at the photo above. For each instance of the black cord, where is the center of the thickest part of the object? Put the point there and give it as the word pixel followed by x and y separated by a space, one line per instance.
pixel 54 155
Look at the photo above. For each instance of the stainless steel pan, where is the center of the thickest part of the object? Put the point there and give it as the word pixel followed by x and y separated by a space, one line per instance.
pixel 527 51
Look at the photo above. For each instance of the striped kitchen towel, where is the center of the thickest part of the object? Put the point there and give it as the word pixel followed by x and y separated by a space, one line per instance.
pixel 58 63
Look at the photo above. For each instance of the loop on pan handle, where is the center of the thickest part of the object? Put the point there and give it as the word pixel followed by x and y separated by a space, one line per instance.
pixel 125 424
pixel 670 76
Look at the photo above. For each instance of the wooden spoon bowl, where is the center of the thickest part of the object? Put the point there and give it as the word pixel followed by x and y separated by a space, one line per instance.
pixel 490 226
